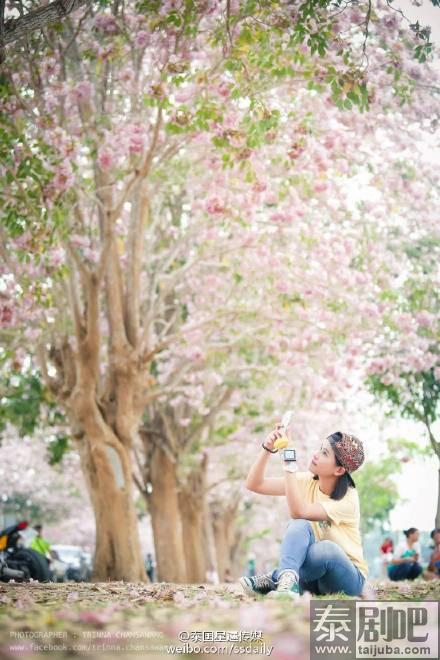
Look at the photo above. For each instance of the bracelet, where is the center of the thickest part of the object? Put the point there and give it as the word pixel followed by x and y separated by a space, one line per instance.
pixel 271 451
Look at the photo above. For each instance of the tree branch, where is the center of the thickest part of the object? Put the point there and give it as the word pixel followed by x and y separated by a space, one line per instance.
pixel 14 28
pixel 135 245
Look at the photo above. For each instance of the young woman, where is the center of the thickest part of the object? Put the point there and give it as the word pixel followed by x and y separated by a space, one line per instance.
pixel 405 564
pixel 433 570
pixel 321 551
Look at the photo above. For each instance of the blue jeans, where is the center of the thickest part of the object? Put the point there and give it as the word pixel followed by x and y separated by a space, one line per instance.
pixel 404 571
pixel 322 566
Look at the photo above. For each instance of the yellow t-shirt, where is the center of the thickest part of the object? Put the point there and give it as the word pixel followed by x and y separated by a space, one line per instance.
pixel 344 515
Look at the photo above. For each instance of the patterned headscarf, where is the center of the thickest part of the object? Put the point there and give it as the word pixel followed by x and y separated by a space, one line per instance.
pixel 349 451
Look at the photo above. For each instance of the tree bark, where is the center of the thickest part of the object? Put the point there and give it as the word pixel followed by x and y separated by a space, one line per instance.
pixel 225 535
pixel 191 511
pixel 191 505
pixel 436 449
pixel 437 515
pixel 211 562
pixel 165 517
pixel 108 476
pixel 38 18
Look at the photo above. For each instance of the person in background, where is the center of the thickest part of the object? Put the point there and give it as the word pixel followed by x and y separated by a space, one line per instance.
pixel 39 544
pixel 149 566
pixel 251 566
pixel 433 570
pixel 386 555
pixel 387 546
pixel 405 562
pixel 228 576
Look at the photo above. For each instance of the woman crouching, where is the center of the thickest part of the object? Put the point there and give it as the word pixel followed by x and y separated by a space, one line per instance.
pixel 322 550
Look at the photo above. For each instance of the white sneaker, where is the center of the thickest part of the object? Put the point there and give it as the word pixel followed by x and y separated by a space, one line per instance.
pixel 288 585
pixel 258 584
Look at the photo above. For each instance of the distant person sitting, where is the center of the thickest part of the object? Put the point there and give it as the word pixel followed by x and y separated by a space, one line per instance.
pixel 405 562
pixel 387 546
pixel 386 555
pixel 433 570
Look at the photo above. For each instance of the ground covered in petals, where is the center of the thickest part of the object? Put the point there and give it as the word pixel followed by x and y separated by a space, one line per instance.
pixel 125 620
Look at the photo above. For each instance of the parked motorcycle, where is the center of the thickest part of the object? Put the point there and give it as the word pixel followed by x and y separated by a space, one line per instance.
pixel 19 563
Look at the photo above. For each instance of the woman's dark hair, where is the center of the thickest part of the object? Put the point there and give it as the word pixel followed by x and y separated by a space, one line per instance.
pixel 345 480
pixel 409 531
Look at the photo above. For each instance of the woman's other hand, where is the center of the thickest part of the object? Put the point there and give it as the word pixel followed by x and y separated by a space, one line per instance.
pixel 273 436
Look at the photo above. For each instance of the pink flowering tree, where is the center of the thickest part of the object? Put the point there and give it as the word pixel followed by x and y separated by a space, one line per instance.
pixel 174 192
pixel 405 371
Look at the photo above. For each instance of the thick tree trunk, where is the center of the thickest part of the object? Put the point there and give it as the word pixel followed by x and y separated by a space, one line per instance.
pixel 191 503
pixel 211 562
pixel 437 515
pixel 107 470
pixel 225 535
pixel 165 517
pixel 191 511
pixel 436 449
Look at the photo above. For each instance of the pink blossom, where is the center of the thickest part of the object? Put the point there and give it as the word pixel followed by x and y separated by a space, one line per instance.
pixel 83 91
pixel 56 257
pixel 388 379
pixel 185 94
pixel 6 314
pixel 22 240
pixel 223 89
pixel 105 23
pixel 281 217
pixel 31 333
pixel 105 158
pixel 64 178
pixel 141 39
pixel 79 241
pixel 136 138
pixel 214 206
pixel 425 319
pixel 91 254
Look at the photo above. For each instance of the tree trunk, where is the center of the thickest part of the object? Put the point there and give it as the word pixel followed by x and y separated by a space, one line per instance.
pixel 211 561
pixel 118 553
pixel 165 517
pixel 191 511
pixel 191 504
pixel 437 515
pixel 225 535
pixel 436 449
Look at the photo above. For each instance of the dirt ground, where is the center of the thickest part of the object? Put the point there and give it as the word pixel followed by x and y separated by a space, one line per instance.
pixel 125 620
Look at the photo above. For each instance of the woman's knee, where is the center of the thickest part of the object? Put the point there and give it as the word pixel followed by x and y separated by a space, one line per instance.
pixel 325 550
pixel 299 525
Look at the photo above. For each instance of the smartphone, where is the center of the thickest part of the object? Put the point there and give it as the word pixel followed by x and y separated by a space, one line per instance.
pixel 289 455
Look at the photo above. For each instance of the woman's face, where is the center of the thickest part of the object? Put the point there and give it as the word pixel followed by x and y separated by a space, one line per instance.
pixel 323 462
pixel 415 535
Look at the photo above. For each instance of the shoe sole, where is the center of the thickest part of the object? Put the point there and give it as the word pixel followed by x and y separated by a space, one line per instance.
pixel 246 588
pixel 249 591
